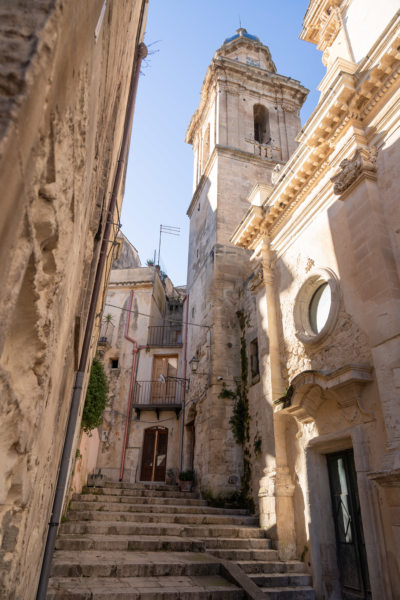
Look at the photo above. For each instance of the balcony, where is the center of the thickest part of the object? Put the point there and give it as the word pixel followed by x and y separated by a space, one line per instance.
pixel 106 333
pixel 163 335
pixel 158 395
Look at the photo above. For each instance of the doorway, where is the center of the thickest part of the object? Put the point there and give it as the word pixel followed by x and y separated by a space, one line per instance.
pixel 350 545
pixel 164 384
pixel 154 455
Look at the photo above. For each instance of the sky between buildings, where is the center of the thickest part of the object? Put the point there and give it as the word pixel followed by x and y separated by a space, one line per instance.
pixel 182 36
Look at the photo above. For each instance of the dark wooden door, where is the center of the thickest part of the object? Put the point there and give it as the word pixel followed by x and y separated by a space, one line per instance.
pixel 350 545
pixel 154 454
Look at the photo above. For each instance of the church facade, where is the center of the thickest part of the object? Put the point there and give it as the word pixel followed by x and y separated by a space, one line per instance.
pixel 294 296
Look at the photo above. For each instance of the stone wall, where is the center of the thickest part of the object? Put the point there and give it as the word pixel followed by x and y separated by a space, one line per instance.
pixel 63 101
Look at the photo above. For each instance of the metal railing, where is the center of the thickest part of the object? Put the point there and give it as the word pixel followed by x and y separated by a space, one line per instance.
pixel 163 335
pixel 147 393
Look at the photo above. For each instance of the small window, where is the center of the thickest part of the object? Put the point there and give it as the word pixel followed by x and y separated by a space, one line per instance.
pixel 261 124
pixel 254 364
pixel 114 363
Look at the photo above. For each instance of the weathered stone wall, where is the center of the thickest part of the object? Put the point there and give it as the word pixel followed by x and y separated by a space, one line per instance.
pixel 63 102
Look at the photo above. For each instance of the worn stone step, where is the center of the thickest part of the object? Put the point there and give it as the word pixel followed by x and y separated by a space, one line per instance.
pixel 223 543
pixel 160 529
pixel 184 518
pixel 289 566
pixel 137 499
pixel 212 587
pixel 281 579
pixel 117 506
pixel 144 493
pixel 95 563
pixel 245 554
pixel 149 543
pixel 94 481
pixel 289 593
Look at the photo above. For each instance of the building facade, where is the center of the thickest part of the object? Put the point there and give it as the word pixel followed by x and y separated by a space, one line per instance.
pixel 140 345
pixel 309 309
pixel 68 84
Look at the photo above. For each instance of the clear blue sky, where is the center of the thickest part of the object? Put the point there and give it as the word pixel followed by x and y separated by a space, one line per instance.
pixel 182 36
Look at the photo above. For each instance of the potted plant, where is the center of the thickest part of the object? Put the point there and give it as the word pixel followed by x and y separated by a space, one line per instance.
pixel 170 480
pixel 186 479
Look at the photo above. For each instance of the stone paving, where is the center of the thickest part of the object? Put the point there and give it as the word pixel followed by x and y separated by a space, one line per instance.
pixel 141 542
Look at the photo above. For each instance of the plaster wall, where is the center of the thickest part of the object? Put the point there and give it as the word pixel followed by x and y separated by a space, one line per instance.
pixel 63 101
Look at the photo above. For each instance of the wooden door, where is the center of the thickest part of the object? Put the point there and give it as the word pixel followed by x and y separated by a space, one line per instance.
pixel 154 454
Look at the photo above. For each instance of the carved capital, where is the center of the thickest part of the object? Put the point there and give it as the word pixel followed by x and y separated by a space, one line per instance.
pixel 363 162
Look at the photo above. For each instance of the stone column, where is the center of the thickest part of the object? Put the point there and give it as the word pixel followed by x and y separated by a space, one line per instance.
pixel 276 487
pixel 378 279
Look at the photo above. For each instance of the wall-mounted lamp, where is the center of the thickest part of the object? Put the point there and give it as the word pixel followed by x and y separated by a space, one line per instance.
pixel 194 363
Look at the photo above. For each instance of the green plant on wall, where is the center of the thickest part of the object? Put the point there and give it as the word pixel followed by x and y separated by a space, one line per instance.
pixel 240 419
pixel 96 397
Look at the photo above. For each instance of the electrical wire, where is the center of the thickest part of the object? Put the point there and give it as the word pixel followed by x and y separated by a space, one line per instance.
pixel 136 312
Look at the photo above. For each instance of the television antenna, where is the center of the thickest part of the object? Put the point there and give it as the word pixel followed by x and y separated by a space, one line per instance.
pixel 170 230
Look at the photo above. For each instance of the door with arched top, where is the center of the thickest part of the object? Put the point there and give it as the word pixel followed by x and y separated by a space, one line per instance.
pixel 154 454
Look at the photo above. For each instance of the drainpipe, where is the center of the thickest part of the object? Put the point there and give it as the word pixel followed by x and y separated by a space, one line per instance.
pixel 140 53
pixel 186 300
pixel 135 353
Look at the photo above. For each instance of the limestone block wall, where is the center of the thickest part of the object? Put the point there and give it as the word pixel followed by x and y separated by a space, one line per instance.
pixel 63 100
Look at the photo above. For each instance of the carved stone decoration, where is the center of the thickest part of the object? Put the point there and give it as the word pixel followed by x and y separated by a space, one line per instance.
pixel 276 173
pixel 363 161
pixel 346 383
pixel 256 280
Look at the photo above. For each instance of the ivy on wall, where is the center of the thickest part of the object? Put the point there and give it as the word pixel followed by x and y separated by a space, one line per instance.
pixel 96 397
pixel 240 419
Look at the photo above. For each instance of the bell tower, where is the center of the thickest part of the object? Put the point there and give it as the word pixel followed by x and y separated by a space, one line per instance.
pixel 244 126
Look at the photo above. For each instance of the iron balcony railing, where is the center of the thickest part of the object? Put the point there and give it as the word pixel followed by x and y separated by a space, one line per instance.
pixel 163 335
pixel 158 393
pixel 106 332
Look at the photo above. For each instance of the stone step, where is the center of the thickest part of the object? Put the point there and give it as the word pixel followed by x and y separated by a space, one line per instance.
pixel 289 593
pixel 149 543
pixel 184 518
pixel 167 529
pixel 144 493
pixel 94 481
pixel 222 543
pixel 281 579
pixel 138 499
pixel 249 554
pixel 92 563
pixel 212 587
pixel 117 506
pixel 290 566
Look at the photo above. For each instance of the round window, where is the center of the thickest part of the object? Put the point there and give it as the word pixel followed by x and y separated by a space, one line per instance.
pixel 319 308
pixel 316 307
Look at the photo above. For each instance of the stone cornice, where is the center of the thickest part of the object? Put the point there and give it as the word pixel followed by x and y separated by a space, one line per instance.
pixel 343 111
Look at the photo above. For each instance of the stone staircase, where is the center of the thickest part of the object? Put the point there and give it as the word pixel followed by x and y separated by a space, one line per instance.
pixel 146 542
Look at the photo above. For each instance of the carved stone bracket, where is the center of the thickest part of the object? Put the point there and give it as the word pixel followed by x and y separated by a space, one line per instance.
pixel 257 280
pixel 345 385
pixel 351 169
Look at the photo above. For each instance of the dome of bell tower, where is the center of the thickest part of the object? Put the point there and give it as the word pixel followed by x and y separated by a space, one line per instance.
pixel 241 32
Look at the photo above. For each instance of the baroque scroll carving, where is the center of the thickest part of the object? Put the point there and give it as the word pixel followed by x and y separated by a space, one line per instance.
pixel 364 160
